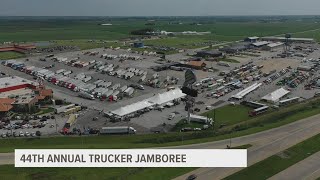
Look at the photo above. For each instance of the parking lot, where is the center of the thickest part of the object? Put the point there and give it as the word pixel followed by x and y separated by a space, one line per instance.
pixel 216 87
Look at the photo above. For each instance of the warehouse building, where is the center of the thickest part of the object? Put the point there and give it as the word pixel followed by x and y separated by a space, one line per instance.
pixel 15 83
pixel 273 46
pixel 252 39
pixel 196 64
pixel 260 44
pixel 283 39
pixel 209 54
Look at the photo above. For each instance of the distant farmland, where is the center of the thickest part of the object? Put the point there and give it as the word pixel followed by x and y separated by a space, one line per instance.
pixel 73 29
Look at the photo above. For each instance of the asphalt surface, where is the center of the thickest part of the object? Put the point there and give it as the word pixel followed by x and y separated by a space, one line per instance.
pixel 265 144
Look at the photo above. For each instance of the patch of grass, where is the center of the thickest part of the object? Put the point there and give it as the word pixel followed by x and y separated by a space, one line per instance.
pixel 87 44
pixel 10 55
pixel 223 117
pixel 277 163
pixel 229 115
pixel 45 111
pixel 10 172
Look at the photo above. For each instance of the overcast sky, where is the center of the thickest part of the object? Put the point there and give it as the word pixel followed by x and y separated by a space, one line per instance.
pixel 157 7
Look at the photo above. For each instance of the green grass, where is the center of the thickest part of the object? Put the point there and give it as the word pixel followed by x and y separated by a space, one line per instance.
pixel 10 172
pixel 10 55
pixel 45 111
pixel 87 44
pixel 240 113
pixel 279 162
pixel 76 29
pixel 229 114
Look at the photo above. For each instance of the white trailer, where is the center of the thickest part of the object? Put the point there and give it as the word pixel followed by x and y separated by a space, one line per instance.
pixel 116 86
pixel 115 93
pixel 117 130
pixel 87 79
pixel 200 119
pixel 86 95
pixel 92 61
pixel 105 84
pixel 108 93
pixel 60 71
pixel 80 76
pixel 63 108
pixel 98 82
pixel 129 91
pixel 123 88
pixel 67 73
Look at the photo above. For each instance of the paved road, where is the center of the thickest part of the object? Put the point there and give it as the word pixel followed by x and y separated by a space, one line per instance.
pixel 265 144
pixel 309 168
pixel 6 158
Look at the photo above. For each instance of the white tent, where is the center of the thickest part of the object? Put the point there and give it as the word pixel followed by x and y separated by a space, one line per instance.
pixel 166 97
pixel 132 108
pixel 246 91
pixel 276 95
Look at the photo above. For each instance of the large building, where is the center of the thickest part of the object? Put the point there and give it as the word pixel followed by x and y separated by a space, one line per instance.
pixel 17 48
pixel 14 83
pixel 301 40
pixel 21 95
pixel 207 54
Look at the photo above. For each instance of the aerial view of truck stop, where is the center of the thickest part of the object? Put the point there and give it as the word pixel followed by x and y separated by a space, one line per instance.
pixel 159 90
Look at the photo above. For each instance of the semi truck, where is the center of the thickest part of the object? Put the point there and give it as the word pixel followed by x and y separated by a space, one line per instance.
pixel 86 95
pixel 117 130
pixel 200 119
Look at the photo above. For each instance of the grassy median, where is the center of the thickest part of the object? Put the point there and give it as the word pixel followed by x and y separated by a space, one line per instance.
pixel 279 162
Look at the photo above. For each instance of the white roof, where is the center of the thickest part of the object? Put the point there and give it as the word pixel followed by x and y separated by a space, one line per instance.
pixel 254 37
pixel 276 95
pixel 15 81
pixel 260 43
pixel 275 44
pixel 246 91
pixel 157 99
pixel 131 108
pixel 166 97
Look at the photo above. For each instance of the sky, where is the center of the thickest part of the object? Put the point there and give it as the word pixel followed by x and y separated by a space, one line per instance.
pixel 157 7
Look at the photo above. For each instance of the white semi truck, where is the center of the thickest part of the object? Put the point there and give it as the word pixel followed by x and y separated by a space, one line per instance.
pixel 118 130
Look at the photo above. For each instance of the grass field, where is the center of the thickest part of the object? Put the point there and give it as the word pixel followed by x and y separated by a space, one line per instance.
pixel 223 117
pixel 76 29
pixel 279 162
pixel 10 55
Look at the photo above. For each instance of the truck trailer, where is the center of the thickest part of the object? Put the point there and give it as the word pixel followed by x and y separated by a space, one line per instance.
pixel 117 130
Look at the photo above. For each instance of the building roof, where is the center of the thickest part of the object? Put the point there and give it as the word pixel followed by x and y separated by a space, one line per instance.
pixel 283 38
pixel 27 99
pixel 46 92
pixel 276 95
pixel 260 43
pixel 5 104
pixel 14 81
pixel 253 38
pixel 196 63
pixel 275 44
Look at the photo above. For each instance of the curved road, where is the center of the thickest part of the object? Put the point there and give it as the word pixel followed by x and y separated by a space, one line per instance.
pixel 265 144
